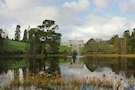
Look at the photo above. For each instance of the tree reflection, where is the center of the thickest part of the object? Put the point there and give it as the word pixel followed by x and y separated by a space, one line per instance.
pixel 11 63
pixel 49 65
pixel 53 65
pixel 125 66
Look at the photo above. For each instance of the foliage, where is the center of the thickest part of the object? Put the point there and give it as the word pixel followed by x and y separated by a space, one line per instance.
pixel 119 45
pixel 34 40
pixel 25 35
pixel 44 35
pixel 3 40
pixel 17 33
pixel 113 38
pixel 116 46
pixel 97 46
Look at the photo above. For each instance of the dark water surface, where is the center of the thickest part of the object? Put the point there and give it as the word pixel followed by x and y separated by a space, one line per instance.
pixel 118 71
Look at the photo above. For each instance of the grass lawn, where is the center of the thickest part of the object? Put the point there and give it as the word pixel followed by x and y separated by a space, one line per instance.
pixel 17 46
pixel 81 49
pixel 22 46
pixel 62 48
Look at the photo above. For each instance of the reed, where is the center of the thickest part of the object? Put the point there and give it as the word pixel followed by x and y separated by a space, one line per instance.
pixel 56 81
pixel 99 83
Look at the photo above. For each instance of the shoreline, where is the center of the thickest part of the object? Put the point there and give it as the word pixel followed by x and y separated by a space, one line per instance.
pixel 65 55
pixel 111 55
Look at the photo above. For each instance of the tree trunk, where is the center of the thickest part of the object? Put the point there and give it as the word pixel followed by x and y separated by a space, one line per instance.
pixel 43 48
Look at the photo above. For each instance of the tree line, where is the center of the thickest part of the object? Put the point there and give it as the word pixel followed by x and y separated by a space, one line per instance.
pixel 42 40
pixel 116 44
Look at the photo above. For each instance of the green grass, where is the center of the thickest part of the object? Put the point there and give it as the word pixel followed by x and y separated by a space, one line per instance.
pixel 81 49
pixel 62 48
pixel 22 46
pixel 17 46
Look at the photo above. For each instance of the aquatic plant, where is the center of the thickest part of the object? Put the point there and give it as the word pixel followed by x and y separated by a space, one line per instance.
pixel 45 80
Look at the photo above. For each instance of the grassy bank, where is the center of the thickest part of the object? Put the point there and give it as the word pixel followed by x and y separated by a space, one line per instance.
pixel 24 47
pixel 111 55
pixel 17 46
pixel 65 55
pixel 65 48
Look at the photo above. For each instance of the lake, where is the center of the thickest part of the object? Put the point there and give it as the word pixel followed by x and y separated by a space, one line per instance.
pixel 86 73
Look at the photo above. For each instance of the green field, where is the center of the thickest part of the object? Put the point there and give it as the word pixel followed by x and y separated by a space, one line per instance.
pixel 81 49
pixel 62 48
pixel 22 46
pixel 17 46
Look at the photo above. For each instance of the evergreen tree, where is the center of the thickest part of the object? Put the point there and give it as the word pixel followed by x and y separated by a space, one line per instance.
pixel 116 46
pixel 17 33
pixel 44 35
pixel 132 41
pixel 25 36
pixel 1 39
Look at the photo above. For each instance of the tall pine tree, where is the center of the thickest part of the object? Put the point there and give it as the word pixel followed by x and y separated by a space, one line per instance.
pixel 17 33
pixel 25 36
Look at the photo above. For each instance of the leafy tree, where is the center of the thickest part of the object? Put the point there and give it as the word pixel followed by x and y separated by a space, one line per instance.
pixel 3 40
pixel 48 28
pixel 17 33
pixel 25 36
pixel 34 40
pixel 54 42
pixel 132 42
pixel 97 46
pixel 113 38
pixel 126 34
pixel 116 46
pixel 44 35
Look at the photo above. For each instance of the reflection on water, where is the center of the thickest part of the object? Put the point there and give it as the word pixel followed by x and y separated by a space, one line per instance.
pixel 87 72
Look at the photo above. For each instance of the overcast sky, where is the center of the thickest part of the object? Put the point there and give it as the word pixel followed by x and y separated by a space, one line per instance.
pixel 77 19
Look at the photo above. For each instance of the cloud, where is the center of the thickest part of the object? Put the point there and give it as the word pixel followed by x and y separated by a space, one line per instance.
pixel 77 7
pixel 127 5
pixel 33 12
pixel 101 4
pixel 20 4
pixel 29 12
pixel 102 28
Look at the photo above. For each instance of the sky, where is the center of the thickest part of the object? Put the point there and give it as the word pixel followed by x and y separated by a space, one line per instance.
pixel 77 19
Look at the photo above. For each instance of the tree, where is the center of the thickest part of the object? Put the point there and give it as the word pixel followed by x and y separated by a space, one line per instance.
pixel 132 41
pixel 3 40
pixel 34 40
pixel 17 33
pixel 44 35
pixel 113 38
pixel 25 36
pixel 97 46
pixel 126 36
pixel 54 42
pixel 48 28
pixel 116 46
